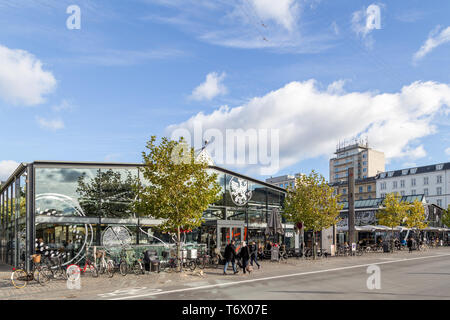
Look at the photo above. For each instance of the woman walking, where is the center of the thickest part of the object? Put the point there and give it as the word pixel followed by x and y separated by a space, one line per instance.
pixel 244 254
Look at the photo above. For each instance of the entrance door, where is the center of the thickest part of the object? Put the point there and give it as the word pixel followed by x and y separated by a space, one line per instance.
pixel 227 230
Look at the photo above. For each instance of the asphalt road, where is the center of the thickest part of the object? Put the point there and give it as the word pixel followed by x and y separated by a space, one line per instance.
pixel 414 278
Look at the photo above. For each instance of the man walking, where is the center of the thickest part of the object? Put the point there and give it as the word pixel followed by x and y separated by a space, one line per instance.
pixel 410 244
pixel 254 254
pixel 230 256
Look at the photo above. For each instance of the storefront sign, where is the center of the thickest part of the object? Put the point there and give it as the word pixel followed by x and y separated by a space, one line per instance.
pixel 289 234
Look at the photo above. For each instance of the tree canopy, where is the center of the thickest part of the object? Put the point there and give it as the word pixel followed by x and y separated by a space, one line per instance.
pixel 176 188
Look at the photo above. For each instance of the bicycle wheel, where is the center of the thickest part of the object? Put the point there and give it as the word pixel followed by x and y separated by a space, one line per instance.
pixel 138 269
pixel 43 275
pixel 19 278
pixel 192 265
pixel 110 269
pixel 93 270
pixel 123 268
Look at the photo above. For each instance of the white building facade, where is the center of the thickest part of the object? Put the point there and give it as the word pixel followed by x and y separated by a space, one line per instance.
pixel 433 181
pixel 284 181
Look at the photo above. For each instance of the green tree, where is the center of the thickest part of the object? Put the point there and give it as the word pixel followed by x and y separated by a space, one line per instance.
pixel 313 203
pixel 393 214
pixel 177 188
pixel 415 216
pixel 109 192
pixel 446 216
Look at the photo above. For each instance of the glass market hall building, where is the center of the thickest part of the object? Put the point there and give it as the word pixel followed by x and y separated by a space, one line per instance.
pixel 71 204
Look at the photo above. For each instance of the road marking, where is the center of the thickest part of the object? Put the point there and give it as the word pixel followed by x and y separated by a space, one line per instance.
pixel 277 277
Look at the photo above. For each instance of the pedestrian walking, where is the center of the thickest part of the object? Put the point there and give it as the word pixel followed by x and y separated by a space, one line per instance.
pixel 254 254
pixel 244 254
pixel 230 256
pixel 410 244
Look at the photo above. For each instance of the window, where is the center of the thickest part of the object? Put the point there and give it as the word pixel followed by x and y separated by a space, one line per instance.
pixel 369 188
pixel 413 181
pixel 360 189
pixel 439 166
pixel 364 177
pixel 413 171
pixel 344 191
pixel 383 186
pixel 383 195
pixel 402 183
pixel 394 184
pixel 405 172
pixel 413 192
pixel 425 180
pixel 370 197
pixel 439 179
pixel 364 163
pixel 439 202
pixel 364 169
pixel 390 173
pixel 425 191
pixel 402 193
pixel 439 191
pixel 364 156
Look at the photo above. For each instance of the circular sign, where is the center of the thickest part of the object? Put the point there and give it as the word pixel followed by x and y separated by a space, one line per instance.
pixel 116 237
pixel 239 192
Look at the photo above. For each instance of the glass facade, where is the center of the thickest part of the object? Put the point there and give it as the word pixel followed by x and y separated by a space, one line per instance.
pixel 75 206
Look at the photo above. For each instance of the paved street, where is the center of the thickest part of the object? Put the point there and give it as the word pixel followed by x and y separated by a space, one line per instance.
pixel 420 275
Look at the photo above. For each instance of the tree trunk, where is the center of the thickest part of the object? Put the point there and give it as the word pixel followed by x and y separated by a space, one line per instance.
pixel 179 248
pixel 392 241
pixel 314 245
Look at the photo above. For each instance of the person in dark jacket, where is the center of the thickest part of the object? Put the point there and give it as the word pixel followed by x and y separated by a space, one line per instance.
pixel 254 254
pixel 410 244
pixel 244 254
pixel 230 256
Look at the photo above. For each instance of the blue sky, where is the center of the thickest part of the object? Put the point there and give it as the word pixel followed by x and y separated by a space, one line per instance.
pixel 308 68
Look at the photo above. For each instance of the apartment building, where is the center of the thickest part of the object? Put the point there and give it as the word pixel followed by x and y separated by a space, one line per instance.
pixel 284 181
pixel 432 180
pixel 364 189
pixel 365 161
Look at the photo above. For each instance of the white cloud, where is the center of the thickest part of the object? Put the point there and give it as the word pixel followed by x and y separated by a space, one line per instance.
pixel 248 24
pixel 7 167
pixel 447 151
pixel 282 12
pixel 311 121
pixel 22 79
pixel 434 40
pixel 64 105
pixel 211 88
pixel 51 124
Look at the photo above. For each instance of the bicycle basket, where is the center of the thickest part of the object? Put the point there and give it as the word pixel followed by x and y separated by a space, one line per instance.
pixel 36 258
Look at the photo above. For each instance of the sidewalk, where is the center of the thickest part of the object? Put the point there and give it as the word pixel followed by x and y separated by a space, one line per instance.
pixel 106 288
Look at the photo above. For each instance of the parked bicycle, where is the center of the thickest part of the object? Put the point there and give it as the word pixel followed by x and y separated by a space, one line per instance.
pixel 89 266
pixel 105 266
pixel 40 273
